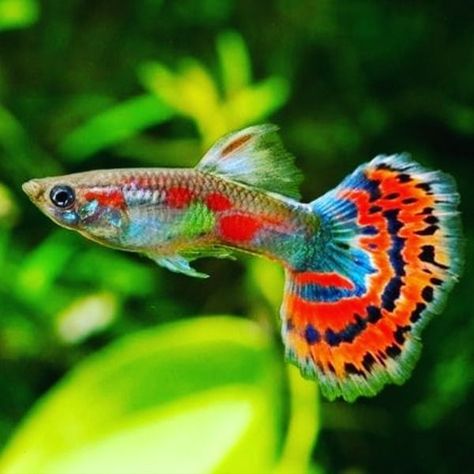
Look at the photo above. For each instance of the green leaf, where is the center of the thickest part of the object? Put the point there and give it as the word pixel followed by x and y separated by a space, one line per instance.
pixel 234 62
pixel 172 439
pixel 18 13
pixel 129 276
pixel 22 157
pixel 266 278
pixel 196 396
pixel 303 426
pixel 114 125
pixel 35 277
pixel 191 91
pixel 256 102
pixel 162 82
pixel 8 207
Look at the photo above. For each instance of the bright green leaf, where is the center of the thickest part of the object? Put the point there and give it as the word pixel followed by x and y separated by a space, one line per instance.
pixel 267 277
pixel 257 102
pixel 234 62
pixel 304 424
pixel 43 265
pixel 114 125
pixel 161 82
pixel 18 13
pixel 171 439
pixel 211 381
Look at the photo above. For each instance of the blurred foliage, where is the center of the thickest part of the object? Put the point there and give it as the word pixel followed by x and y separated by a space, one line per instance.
pixel 87 85
pixel 142 402
pixel 18 13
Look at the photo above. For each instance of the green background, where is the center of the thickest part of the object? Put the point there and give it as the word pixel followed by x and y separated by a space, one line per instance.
pixel 104 84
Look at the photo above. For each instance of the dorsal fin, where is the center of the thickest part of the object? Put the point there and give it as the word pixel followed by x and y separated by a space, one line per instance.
pixel 254 156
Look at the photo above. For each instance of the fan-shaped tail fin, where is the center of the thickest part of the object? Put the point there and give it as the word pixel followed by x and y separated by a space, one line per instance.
pixel 387 254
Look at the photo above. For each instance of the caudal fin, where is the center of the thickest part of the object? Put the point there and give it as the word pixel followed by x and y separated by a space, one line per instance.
pixel 386 256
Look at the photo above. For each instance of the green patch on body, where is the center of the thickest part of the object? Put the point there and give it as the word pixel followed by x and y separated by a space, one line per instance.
pixel 198 219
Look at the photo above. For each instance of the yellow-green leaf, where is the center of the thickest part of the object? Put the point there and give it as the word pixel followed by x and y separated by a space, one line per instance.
pixel 195 396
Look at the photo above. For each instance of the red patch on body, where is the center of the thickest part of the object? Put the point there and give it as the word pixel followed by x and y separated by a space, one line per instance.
pixel 217 202
pixel 239 228
pixel 178 197
pixel 110 198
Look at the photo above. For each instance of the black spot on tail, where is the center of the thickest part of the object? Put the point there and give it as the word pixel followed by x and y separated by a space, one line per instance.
pixel 352 369
pixel 368 361
pixel 404 178
pixel 431 220
pixel 393 224
pixel 395 253
pixel 399 334
pixel 369 230
pixel 416 313
pixel 391 293
pixel 312 335
pixel 374 209
pixel 425 186
pixel 393 351
pixel 373 314
pixel 332 338
pixel 426 210
pixel 430 230
pixel 353 329
pixel 385 166
pixel 427 255
pixel 427 293
pixel 372 187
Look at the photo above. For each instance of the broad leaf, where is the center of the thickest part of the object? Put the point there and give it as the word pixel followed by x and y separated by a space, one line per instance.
pixel 194 396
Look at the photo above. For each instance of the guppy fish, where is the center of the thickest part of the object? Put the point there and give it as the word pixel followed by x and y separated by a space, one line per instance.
pixel 366 264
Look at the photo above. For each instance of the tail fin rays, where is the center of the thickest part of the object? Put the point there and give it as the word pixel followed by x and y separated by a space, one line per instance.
pixel 387 254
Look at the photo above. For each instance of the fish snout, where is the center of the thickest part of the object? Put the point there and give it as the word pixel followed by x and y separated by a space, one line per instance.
pixel 33 189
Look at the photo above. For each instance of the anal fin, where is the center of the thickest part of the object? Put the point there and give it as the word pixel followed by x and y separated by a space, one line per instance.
pixel 180 263
pixel 177 264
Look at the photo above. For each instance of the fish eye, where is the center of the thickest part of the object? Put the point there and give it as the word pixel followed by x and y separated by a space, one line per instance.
pixel 62 196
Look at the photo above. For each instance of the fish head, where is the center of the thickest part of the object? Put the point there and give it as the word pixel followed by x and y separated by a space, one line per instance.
pixel 86 202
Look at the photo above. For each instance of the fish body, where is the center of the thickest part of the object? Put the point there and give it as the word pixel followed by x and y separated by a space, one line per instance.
pixel 172 213
pixel 366 264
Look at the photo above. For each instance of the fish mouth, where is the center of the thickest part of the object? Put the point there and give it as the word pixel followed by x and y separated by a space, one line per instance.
pixel 32 189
